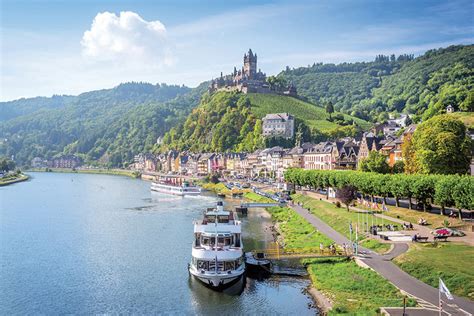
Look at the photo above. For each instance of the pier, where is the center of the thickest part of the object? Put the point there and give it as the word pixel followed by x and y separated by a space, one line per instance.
pixel 277 252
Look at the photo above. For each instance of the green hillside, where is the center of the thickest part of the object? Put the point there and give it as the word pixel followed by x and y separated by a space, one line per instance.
pixel 423 86
pixel 108 126
pixel 314 116
pixel 232 121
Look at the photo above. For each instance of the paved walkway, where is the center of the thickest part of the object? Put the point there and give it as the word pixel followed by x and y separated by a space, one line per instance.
pixel 426 295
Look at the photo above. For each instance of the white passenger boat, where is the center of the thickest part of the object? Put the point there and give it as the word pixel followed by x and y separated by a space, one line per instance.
pixel 217 253
pixel 175 187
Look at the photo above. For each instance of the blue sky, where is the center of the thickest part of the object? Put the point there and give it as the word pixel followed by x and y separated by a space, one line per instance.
pixel 69 47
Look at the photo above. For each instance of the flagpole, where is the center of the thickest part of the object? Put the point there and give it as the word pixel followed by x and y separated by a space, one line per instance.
pixel 439 297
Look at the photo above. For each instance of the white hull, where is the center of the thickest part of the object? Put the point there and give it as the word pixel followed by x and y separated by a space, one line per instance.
pixel 175 190
pixel 217 279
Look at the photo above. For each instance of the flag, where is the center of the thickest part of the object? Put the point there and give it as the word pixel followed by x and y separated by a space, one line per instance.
pixel 444 289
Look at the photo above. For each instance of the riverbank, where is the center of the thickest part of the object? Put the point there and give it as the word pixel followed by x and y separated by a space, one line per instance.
pixel 425 261
pixel 10 180
pixel 338 286
pixel 115 172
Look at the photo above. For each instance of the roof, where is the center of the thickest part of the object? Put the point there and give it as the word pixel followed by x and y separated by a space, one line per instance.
pixel 278 116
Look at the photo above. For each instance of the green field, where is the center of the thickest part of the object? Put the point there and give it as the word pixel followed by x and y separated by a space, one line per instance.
pixel 314 116
pixel 339 219
pixel 355 290
pixel 452 262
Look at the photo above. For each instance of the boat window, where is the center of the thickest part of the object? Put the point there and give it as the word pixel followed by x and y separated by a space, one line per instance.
pixel 229 265
pixel 227 241
pixel 203 265
pixel 205 241
pixel 220 241
pixel 223 219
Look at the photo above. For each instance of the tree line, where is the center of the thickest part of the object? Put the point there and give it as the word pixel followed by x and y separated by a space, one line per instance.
pixel 443 190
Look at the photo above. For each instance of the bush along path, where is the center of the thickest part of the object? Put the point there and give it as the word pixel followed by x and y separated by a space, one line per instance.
pixel 426 295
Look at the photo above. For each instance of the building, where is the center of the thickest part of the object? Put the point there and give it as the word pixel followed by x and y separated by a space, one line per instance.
pixel 248 79
pixel 38 162
pixel 369 143
pixel 65 161
pixel 347 153
pixel 321 156
pixel 278 125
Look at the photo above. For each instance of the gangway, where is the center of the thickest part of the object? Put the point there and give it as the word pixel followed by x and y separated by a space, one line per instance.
pixel 276 252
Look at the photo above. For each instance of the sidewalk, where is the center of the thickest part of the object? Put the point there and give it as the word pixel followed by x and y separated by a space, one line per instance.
pixel 424 293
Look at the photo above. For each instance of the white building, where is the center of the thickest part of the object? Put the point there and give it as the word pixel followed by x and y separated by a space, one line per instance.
pixel 278 125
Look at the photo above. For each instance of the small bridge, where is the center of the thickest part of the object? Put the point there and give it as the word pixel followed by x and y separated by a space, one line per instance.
pixel 250 205
pixel 276 252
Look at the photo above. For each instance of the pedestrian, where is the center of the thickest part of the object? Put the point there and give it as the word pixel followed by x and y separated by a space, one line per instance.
pixel 321 247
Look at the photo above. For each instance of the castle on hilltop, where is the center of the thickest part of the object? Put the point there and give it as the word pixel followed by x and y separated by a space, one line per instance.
pixel 248 80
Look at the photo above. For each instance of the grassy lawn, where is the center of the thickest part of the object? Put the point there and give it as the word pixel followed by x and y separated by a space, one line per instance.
pixel 407 215
pixel 355 290
pixel 296 231
pixel 257 197
pixel 452 262
pixel 339 218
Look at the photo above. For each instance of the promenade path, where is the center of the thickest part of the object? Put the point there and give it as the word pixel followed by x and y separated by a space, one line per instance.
pixel 426 295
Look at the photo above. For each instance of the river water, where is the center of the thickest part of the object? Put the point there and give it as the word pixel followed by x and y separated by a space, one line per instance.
pixel 90 244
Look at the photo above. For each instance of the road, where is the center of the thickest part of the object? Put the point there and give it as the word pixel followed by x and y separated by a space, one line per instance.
pixel 426 295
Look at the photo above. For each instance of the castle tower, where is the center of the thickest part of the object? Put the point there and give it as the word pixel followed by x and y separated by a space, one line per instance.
pixel 250 64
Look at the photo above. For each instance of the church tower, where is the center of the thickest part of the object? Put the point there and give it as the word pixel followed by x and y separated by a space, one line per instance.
pixel 250 64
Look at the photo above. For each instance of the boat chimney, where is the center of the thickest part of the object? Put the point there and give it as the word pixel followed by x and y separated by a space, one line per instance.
pixel 220 206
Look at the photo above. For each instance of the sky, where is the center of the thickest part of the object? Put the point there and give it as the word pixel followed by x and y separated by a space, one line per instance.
pixel 69 47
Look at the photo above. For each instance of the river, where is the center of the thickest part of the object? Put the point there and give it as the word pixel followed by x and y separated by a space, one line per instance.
pixel 95 244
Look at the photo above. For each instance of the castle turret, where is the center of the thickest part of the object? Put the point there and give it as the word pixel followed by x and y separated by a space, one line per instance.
pixel 250 64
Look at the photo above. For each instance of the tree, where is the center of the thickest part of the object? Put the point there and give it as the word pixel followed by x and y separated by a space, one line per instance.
pixel 6 164
pixel 463 194
pixel 375 162
pixel 441 146
pixel 398 167
pixel 408 154
pixel 346 195
pixel 443 191
pixel 329 108
pixel 423 187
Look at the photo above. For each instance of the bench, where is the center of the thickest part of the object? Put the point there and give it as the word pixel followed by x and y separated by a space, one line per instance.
pixel 443 238
pixel 420 239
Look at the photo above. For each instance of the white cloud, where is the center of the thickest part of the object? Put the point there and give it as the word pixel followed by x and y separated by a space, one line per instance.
pixel 127 38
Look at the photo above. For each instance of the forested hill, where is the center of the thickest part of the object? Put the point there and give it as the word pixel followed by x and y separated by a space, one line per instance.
pixel 232 121
pixel 132 93
pixel 108 126
pixel 370 90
